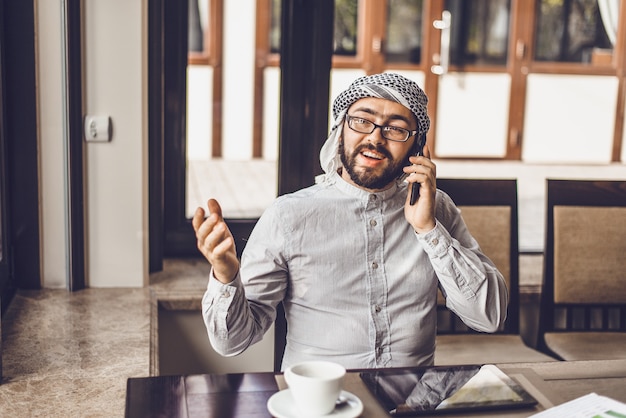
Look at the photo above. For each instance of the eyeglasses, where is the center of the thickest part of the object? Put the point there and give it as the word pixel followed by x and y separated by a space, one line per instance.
pixel 392 133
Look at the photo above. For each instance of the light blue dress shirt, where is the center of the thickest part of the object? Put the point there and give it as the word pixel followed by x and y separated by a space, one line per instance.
pixel 359 286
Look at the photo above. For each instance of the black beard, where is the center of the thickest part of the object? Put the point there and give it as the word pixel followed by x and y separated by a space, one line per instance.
pixel 366 178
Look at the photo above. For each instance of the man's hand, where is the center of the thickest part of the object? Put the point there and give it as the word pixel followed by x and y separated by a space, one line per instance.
pixel 216 242
pixel 421 215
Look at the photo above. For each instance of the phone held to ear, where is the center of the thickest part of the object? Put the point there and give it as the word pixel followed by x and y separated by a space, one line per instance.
pixel 415 187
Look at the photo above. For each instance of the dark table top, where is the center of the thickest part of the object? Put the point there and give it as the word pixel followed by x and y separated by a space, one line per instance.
pixel 246 395
pixel 229 395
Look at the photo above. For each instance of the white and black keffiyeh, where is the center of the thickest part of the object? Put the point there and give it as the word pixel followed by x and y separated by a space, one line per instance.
pixel 388 86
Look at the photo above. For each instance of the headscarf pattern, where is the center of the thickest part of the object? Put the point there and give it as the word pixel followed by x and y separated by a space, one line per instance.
pixel 388 86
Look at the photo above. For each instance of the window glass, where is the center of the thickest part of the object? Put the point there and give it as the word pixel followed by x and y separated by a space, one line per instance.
pixel 345 36
pixel 197 25
pixel 345 33
pixel 404 31
pixel 479 32
pixel 275 28
pixel 576 30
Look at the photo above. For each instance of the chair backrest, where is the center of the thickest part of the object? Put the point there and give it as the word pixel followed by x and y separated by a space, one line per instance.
pixel 490 210
pixel 584 285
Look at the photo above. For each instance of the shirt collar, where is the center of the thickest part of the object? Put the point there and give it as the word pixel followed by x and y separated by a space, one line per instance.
pixel 359 193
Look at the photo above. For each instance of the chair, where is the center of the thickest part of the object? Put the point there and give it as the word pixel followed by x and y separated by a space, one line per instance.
pixel 489 208
pixel 583 307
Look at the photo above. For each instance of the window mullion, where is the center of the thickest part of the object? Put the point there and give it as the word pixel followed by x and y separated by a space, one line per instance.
pixel 372 24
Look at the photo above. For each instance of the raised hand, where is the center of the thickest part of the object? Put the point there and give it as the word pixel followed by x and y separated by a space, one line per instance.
pixel 216 242
pixel 421 215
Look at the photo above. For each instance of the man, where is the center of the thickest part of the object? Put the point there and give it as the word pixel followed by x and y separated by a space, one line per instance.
pixel 356 265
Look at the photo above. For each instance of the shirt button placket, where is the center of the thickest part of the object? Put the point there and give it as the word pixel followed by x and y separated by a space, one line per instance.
pixel 376 273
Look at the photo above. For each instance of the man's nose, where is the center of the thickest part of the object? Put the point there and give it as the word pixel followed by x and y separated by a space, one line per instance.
pixel 376 136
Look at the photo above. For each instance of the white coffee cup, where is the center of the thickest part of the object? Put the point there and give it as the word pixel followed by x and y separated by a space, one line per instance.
pixel 315 386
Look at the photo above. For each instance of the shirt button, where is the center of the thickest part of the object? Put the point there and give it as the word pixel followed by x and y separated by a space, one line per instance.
pixel 374 265
pixel 377 308
pixel 373 197
pixel 373 222
pixel 435 241
pixel 226 294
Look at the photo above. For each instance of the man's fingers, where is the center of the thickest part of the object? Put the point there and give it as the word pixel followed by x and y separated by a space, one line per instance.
pixel 426 151
pixel 221 250
pixel 214 207
pixel 198 218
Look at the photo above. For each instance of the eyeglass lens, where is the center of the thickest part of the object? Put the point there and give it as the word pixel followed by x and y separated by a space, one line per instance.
pixel 365 126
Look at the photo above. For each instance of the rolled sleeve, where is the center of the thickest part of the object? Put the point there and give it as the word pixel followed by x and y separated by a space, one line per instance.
pixel 216 303
pixel 472 285
pixel 451 262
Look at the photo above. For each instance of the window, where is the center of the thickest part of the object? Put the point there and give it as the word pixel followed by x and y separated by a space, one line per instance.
pixel 580 31
pixel 345 32
pixel 275 26
pixel 479 32
pixel 197 34
pixel 345 36
pixel 404 31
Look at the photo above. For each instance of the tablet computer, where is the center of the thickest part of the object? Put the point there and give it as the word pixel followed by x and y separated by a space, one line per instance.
pixel 445 389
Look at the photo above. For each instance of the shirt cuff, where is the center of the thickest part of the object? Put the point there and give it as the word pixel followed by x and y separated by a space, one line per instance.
pixel 217 289
pixel 436 241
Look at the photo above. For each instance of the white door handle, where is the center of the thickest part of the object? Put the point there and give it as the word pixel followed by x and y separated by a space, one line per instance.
pixel 444 54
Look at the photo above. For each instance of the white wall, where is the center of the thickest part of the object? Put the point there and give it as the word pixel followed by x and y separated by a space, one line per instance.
pixel 569 118
pixel 472 115
pixel 115 65
pixel 49 78
pixel 117 180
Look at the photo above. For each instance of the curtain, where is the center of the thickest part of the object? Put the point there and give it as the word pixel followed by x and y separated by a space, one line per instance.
pixel 609 12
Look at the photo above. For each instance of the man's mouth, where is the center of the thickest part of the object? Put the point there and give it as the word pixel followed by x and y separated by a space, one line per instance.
pixel 372 154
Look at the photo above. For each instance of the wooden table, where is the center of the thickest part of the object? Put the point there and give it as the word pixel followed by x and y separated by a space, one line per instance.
pixel 246 395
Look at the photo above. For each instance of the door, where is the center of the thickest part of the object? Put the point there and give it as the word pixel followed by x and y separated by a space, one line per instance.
pixel 469 76
pixel 191 99
pixel 538 81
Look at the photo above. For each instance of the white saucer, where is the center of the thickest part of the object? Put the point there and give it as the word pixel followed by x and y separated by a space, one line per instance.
pixel 281 405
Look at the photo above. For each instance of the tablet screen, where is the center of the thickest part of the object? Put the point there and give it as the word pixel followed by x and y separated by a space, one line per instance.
pixel 409 392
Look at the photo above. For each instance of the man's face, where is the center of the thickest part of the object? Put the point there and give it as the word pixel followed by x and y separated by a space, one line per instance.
pixel 370 161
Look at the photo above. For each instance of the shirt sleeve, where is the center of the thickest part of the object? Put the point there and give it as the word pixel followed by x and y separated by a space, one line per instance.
pixel 238 314
pixel 219 299
pixel 474 288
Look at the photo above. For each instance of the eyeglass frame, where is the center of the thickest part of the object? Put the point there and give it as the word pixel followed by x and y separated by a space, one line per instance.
pixel 409 132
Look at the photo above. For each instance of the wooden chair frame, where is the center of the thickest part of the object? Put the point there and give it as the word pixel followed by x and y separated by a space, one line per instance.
pixel 580 316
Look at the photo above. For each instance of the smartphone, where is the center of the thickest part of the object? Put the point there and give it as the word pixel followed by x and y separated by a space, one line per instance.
pixel 419 150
